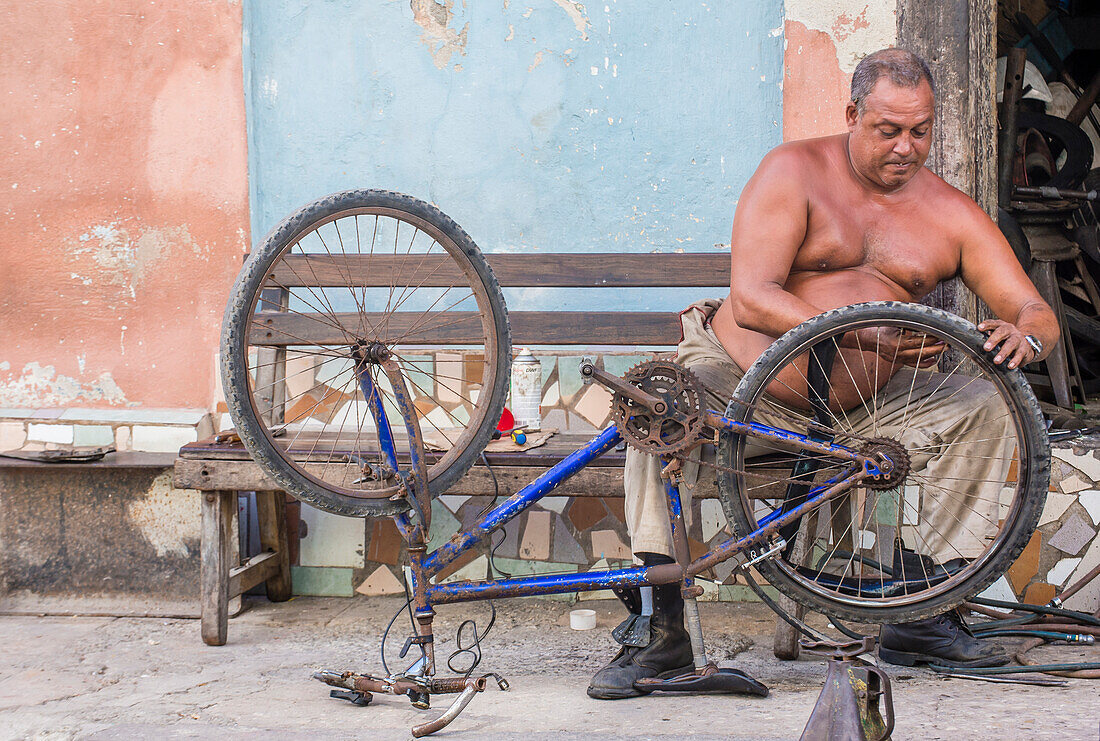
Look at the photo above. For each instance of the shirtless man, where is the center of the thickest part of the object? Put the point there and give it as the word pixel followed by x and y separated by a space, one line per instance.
pixel 825 223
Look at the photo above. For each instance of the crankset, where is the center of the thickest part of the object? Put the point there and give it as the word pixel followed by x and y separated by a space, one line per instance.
pixel 657 405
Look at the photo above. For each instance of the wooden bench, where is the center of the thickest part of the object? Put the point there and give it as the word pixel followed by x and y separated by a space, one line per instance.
pixel 221 470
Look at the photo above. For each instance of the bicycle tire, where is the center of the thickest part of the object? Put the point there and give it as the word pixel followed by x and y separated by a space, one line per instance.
pixel 1021 512
pixel 306 272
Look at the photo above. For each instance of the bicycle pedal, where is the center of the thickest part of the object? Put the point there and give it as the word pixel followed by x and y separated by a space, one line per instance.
pixel 362 699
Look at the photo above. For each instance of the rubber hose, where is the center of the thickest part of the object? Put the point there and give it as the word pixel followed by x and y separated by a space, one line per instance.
pixel 1049 635
pixel 1083 617
pixel 1044 668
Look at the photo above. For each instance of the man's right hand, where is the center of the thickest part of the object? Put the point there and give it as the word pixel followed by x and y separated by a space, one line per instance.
pixel 898 346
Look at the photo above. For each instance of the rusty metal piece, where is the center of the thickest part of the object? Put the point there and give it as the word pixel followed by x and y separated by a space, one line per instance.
pixel 421 497
pixel 691 592
pixel 471 687
pixel 884 449
pixel 589 372
pixel 679 426
pixel 848 707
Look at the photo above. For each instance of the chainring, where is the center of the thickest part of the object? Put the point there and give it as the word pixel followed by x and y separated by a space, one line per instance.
pixel 679 427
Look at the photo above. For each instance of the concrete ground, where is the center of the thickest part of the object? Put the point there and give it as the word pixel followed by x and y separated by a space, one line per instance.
pixel 129 678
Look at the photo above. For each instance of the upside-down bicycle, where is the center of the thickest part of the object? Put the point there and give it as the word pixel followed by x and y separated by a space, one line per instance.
pixel 333 375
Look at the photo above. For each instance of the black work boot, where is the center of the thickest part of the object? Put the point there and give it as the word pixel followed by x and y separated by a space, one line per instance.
pixel 668 649
pixel 944 639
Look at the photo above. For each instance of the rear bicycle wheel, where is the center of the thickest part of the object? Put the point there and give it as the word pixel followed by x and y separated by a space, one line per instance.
pixel 966 497
pixel 358 270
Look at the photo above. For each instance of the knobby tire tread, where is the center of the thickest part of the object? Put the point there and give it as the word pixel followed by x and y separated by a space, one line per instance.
pixel 1019 394
pixel 234 366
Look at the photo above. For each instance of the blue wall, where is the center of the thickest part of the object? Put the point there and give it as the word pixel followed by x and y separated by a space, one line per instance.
pixel 564 126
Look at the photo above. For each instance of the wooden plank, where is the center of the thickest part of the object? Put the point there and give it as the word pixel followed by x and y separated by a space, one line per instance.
pixel 554 270
pixel 958 39
pixel 218 509
pixel 271 517
pixel 455 328
pixel 260 567
pixel 593 481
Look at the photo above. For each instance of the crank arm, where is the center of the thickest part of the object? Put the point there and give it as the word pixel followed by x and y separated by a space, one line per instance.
pixel 589 373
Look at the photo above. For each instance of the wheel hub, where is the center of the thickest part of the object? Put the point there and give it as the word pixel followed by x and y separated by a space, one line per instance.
pixel 891 457
pixel 372 353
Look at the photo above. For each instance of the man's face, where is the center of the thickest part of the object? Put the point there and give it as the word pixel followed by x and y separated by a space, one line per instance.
pixel 889 140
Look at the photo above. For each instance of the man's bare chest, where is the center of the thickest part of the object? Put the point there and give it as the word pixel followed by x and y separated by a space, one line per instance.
pixel 909 252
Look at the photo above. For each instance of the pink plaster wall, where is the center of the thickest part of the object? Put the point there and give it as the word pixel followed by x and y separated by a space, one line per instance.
pixel 126 211
pixel 815 89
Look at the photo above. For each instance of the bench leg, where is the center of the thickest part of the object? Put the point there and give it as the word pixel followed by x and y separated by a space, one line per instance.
pixel 218 508
pixel 271 514
pixel 785 645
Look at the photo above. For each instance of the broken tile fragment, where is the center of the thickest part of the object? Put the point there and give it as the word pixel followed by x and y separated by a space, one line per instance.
pixel 1059 573
pixel 1073 484
pixel 594 405
pixel 606 544
pixel 509 546
pixel 535 544
pixel 1090 500
pixel 566 548
pixel 585 512
pixel 454 502
pixel 1073 535
pixel 1039 593
pixel 476 570
pixel 385 542
pixel 712 518
pixel 999 590
pixel 1086 463
pixel 1027 565
pixel 380 582
pixel 1056 506
pixel 554 504
pixel 617 507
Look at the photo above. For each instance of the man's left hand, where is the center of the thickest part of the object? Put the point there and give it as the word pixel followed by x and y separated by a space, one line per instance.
pixel 1013 347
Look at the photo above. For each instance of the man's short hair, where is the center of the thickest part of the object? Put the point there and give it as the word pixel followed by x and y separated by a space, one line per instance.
pixel 903 67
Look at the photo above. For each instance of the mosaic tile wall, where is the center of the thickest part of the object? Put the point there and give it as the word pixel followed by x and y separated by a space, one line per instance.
pixel 1065 547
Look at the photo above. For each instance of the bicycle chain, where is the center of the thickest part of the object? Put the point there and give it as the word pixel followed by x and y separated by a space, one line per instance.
pixel 680 387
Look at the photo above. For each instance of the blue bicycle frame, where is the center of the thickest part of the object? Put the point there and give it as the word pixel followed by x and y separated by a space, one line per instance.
pixel 425 565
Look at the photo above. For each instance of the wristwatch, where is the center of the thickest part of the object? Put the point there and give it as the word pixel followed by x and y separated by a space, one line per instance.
pixel 1036 345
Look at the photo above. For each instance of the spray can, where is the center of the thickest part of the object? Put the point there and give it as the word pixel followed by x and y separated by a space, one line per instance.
pixel 527 390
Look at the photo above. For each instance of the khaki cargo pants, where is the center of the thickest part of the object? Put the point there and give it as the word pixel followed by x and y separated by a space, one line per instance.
pixel 954 514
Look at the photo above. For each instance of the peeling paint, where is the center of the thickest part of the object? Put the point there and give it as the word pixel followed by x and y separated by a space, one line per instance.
pixel 42 386
pixel 124 256
pixel 576 14
pixel 855 34
pixel 442 41
pixel 168 518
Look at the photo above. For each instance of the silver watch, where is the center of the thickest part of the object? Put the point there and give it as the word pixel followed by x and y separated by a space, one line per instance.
pixel 1036 345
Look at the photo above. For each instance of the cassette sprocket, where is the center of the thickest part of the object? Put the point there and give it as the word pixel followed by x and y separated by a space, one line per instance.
pixel 681 424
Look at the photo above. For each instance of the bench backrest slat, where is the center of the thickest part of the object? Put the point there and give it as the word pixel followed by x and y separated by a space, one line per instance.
pixel 463 328
pixel 557 270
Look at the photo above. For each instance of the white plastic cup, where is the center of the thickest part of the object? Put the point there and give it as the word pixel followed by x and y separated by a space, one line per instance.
pixel 582 619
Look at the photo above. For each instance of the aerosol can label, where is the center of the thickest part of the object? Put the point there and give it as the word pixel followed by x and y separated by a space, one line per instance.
pixel 527 390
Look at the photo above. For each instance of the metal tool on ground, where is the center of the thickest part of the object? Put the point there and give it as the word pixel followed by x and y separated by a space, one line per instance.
pixel 848 707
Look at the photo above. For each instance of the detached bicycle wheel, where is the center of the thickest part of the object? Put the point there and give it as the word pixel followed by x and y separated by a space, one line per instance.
pixel 356 275
pixel 965 436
